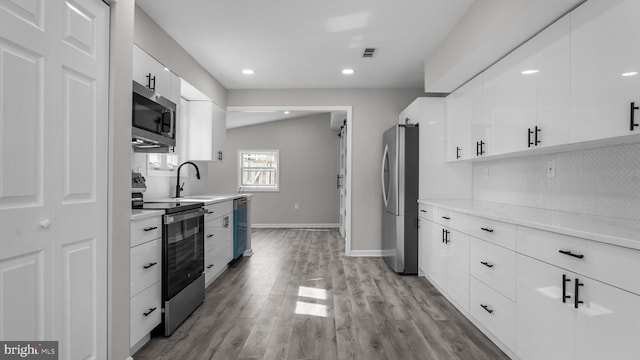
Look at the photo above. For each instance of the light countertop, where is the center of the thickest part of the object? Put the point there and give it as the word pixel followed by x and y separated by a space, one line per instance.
pixel 137 214
pixel 615 231
pixel 206 199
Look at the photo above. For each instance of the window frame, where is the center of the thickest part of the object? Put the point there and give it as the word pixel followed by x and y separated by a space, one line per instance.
pixel 268 188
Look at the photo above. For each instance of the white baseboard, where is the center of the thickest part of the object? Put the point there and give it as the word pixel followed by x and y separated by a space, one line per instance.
pixel 295 226
pixel 366 253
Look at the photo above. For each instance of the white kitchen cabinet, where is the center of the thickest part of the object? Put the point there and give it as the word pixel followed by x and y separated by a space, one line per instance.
pixel 604 324
pixel 509 99
pixel 218 239
pixel 148 72
pixel 146 279
pixel 464 117
pixel 494 311
pixel 206 131
pixel 447 261
pixel 603 34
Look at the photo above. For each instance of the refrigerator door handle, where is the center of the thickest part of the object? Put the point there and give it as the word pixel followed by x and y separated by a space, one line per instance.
pixel 385 156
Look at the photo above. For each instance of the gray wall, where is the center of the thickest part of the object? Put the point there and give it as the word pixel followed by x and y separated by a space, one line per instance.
pixel 373 111
pixel 157 43
pixel 309 161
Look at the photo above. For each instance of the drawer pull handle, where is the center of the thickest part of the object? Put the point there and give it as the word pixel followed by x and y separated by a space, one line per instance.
pixel 486 308
pixel 565 280
pixel 209 266
pixel 150 311
pixel 486 229
pixel 422 210
pixel 576 300
pixel 569 253
pixel 150 228
pixel 446 218
pixel 486 264
pixel 209 212
pixel 150 265
pixel 209 236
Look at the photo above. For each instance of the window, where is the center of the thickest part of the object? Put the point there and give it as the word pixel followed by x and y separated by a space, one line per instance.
pixel 162 164
pixel 258 170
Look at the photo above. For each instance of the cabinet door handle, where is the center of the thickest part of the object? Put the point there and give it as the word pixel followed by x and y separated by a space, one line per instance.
pixel 150 228
pixel 446 236
pixel 633 124
pixel 486 264
pixel 422 210
pixel 458 152
pixel 576 299
pixel 209 236
pixel 150 311
pixel 209 266
pixel 486 308
pixel 482 143
pixel 446 218
pixel 529 133
pixel 443 230
pixel 477 148
pixel 565 280
pixel 569 253
pixel 486 229
pixel 150 265
pixel 536 141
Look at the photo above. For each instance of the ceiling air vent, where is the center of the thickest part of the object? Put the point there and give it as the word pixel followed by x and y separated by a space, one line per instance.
pixel 369 52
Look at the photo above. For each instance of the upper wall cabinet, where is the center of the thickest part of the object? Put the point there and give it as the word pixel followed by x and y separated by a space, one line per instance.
pixel 205 129
pixel 155 76
pixel 574 82
pixel 605 67
pixel 464 112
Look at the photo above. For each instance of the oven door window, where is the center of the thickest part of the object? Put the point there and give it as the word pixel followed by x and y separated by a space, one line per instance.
pixel 184 254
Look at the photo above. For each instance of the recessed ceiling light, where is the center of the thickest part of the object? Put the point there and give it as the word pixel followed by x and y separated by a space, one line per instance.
pixel 348 71
pixel 248 71
pixel 529 72
pixel 287 112
pixel 630 73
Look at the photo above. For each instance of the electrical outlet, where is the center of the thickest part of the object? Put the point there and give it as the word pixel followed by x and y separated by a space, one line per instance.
pixel 551 169
pixel 296 206
pixel 485 173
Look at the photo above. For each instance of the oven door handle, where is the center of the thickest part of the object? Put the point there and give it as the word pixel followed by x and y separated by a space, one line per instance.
pixel 173 218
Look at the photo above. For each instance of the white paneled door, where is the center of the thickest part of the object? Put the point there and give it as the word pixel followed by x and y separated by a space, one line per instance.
pixel 53 171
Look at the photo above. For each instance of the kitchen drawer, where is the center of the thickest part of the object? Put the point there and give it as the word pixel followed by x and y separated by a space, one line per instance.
pixel 496 232
pixel 426 212
pixel 494 311
pixel 610 264
pixel 146 265
pixel 215 261
pixel 452 219
pixel 144 230
pixel 218 209
pixel 224 221
pixel 494 266
pixel 148 302
pixel 217 238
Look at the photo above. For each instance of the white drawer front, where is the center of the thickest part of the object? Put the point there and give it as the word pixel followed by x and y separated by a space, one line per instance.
pixel 144 230
pixel 215 261
pixel 453 220
pixel 426 212
pixel 494 311
pixel 496 232
pixel 218 209
pixel 146 265
pixel 495 266
pixel 217 238
pixel 148 302
pixel 610 264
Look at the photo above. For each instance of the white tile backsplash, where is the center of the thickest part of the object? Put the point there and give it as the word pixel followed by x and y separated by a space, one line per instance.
pixel 603 181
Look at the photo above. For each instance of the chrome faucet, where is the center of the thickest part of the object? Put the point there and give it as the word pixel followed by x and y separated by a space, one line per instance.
pixel 180 187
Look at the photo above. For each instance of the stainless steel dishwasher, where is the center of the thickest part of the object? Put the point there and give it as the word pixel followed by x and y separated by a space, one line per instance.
pixel 239 227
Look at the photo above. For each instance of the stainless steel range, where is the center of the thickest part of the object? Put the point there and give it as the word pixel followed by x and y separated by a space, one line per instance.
pixel 182 262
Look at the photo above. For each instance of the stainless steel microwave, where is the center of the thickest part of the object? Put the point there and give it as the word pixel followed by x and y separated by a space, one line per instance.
pixel 153 121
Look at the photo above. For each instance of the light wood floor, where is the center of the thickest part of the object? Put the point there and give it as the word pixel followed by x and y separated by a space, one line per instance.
pixel 299 297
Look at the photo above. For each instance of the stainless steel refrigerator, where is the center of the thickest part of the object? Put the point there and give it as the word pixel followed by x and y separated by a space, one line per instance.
pixel 399 198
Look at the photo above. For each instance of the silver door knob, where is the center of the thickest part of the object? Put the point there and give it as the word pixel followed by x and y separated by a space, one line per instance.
pixel 45 224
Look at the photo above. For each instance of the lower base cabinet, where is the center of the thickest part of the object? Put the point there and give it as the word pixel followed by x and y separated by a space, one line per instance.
pixel 146 312
pixel 494 311
pixel 564 315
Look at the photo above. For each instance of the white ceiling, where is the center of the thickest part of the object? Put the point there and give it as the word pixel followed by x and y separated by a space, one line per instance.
pixel 306 44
